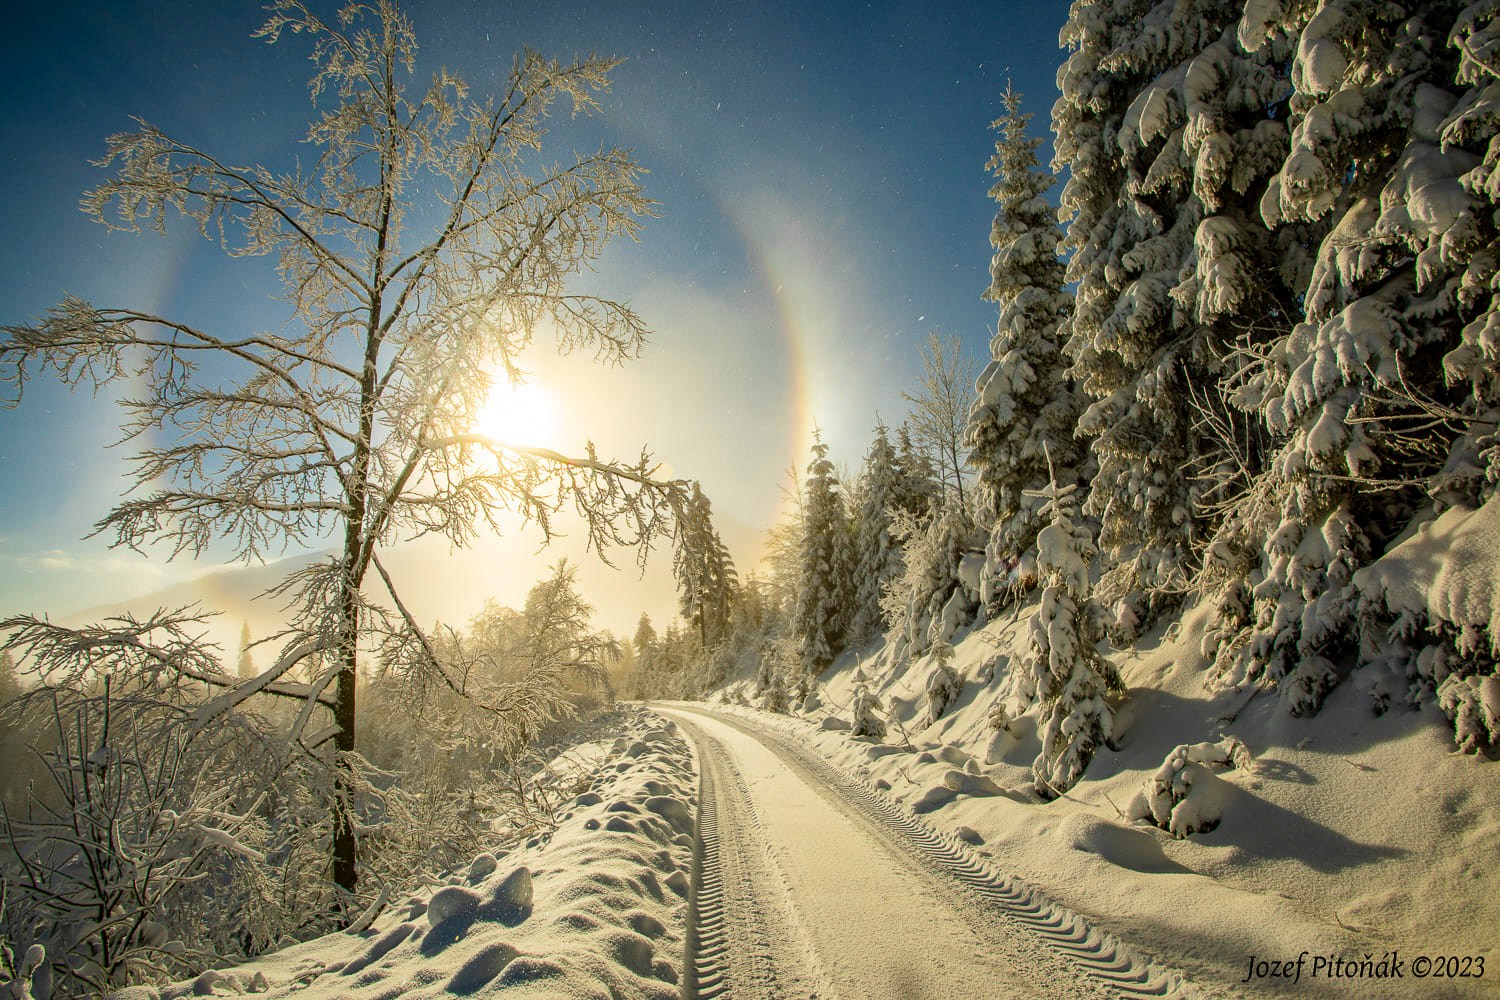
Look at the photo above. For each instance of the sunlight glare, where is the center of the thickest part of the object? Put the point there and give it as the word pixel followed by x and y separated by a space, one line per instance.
pixel 520 414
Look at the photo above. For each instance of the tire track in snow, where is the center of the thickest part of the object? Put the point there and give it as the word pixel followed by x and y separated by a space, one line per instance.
pixel 756 950
pixel 825 904
pixel 1097 954
pixel 707 960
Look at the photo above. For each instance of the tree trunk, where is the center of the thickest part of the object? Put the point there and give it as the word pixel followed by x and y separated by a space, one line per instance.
pixel 345 844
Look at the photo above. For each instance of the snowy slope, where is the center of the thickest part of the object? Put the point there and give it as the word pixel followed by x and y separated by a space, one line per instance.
pixel 1352 834
pixel 595 909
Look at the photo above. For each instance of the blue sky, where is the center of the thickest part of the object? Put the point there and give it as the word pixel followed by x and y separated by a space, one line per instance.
pixel 819 170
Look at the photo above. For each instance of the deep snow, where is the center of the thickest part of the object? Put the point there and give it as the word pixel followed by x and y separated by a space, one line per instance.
pixel 1346 834
pixel 1351 833
pixel 596 908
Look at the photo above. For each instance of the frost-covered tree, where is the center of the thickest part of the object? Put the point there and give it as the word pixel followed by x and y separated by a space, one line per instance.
pixel 940 406
pixel 1170 132
pixel 919 489
pixel 1025 405
pixel 1062 676
pixel 930 601
pixel 355 422
pixel 644 639
pixel 466 760
pixel 1386 157
pixel 143 850
pixel 944 685
pixel 783 548
pixel 864 709
pixel 705 574
pixel 877 556
pixel 781 660
pixel 1474 362
pixel 824 603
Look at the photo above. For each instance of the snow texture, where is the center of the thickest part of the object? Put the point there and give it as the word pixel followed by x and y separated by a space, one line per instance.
pixel 1328 821
pixel 593 907
pixel 1447 570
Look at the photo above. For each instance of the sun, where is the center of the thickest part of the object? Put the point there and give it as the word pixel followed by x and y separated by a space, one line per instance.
pixel 520 413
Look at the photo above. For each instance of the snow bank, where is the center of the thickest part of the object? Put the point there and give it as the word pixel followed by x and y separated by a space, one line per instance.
pixel 1352 833
pixel 594 908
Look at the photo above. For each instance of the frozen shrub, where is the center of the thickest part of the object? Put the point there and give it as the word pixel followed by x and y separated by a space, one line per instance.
pixel 943 685
pixel 866 722
pixel 1184 796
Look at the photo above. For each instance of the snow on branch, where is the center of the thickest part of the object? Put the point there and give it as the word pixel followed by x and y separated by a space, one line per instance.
pixel 538 482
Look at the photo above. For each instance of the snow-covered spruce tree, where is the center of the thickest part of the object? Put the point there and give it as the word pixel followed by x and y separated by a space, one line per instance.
pixel 1387 158
pixel 930 601
pixel 644 645
pixel 1024 398
pixel 918 488
pixel 1474 363
pixel 1062 676
pixel 943 684
pixel 824 603
pixel 877 556
pixel 1170 132
pixel 705 574
pixel 864 708
pixel 779 669
pixel 245 664
pixel 1462 669
pixel 354 423
pixel 1184 796
pixel 783 553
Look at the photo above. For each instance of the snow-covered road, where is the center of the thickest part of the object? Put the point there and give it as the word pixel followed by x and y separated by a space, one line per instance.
pixel 806 889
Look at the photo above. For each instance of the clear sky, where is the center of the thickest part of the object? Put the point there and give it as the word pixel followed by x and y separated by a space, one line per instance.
pixel 819 169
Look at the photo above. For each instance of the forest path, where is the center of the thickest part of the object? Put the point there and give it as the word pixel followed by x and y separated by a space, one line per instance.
pixel 807 884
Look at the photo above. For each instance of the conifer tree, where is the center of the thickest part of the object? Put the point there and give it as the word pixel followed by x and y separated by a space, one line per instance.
pixel 919 489
pixel 1025 401
pixel 864 708
pixel 705 574
pixel 1170 132
pixel 1062 673
pixel 1382 161
pixel 820 618
pixel 644 639
pixel 929 601
pixel 877 559
pixel 245 666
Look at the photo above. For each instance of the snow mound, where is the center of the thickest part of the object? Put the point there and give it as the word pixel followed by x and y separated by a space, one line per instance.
pixel 585 909
pixel 1121 846
pixel 1185 796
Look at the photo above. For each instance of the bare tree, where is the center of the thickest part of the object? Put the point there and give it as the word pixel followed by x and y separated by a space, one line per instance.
pixel 940 407
pixel 129 821
pixel 355 422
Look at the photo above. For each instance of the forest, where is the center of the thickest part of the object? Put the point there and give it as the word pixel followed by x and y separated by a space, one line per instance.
pixel 1254 355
